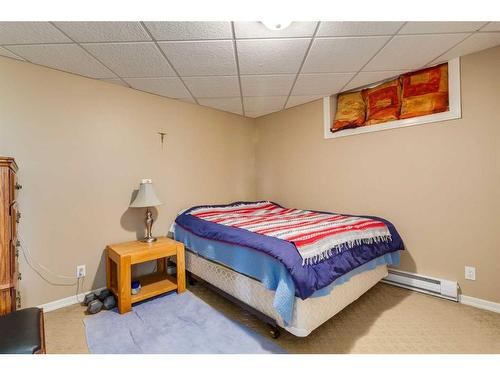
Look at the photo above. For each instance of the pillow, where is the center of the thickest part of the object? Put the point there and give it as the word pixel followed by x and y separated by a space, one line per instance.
pixel 350 111
pixel 425 91
pixel 382 102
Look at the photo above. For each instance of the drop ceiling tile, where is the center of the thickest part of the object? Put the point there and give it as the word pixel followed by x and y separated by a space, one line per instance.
pixel 224 104
pixel 263 103
pixel 202 58
pixel 7 53
pixel 400 53
pixel 104 31
pixel 440 27
pixel 320 84
pixel 358 28
pixel 341 54
pixel 268 56
pixel 297 100
pixel 30 32
pixel 367 78
pixel 171 87
pixel 267 85
pixel 67 57
pixel 115 81
pixel 189 30
pixel 476 42
pixel 213 86
pixel 491 26
pixel 258 30
pixel 132 59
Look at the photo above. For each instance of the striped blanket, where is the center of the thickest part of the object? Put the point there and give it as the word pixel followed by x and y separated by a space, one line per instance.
pixel 315 235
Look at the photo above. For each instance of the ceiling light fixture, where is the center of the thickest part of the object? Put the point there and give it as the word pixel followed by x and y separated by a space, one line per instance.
pixel 273 25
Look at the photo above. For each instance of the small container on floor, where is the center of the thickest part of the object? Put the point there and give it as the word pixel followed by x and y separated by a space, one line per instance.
pixel 136 287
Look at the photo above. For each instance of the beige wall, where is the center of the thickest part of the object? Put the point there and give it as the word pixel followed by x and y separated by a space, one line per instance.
pixel 438 183
pixel 83 146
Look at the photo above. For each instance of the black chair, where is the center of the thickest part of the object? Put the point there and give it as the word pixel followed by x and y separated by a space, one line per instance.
pixel 22 332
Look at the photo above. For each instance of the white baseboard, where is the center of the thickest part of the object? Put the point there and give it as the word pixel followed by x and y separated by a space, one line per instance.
pixel 68 301
pixel 480 303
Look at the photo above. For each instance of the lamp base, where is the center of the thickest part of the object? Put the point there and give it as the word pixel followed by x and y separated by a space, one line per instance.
pixel 148 239
pixel 149 223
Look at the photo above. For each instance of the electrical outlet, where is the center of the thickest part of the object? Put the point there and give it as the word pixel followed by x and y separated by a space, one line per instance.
pixel 470 273
pixel 80 271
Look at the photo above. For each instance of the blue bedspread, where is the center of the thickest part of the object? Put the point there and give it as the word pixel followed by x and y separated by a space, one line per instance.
pixel 307 278
pixel 272 273
pixel 298 279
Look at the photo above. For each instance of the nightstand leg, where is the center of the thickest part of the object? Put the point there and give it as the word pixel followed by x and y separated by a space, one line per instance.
pixel 181 269
pixel 124 287
pixel 108 271
pixel 160 265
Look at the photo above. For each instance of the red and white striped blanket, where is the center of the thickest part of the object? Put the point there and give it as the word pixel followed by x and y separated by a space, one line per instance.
pixel 315 235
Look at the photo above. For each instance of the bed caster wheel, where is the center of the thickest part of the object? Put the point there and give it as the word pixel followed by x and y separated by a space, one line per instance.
pixel 274 332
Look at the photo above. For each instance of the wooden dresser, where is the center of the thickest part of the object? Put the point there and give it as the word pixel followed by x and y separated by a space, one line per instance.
pixel 9 218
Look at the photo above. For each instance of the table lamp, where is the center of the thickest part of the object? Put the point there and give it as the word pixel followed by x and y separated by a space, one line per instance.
pixel 146 197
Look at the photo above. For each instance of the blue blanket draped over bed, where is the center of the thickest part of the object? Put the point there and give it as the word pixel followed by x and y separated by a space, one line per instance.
pixel 269 271
pixel 307 278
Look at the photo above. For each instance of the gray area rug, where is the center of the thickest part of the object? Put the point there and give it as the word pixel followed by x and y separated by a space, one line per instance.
pixel 173 323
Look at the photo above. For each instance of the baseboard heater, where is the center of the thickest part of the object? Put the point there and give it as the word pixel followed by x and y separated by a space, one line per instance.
pixel 424 284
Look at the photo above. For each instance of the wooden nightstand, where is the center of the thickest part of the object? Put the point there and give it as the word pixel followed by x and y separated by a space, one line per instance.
pixel 120 257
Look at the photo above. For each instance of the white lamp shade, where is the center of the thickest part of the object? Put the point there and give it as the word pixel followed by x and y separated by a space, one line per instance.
pixel 146 196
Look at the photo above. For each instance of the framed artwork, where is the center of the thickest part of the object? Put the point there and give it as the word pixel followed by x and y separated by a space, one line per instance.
pixel 416 98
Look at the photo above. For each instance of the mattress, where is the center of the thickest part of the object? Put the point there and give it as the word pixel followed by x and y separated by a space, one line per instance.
pixel 270 272
pixel 314 248
pixel 307 314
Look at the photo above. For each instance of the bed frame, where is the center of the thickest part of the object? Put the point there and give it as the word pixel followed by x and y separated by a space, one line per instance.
pixel 274 329
pixel 253 297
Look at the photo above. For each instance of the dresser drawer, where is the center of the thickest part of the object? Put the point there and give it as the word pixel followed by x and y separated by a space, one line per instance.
pixel 14 186
pixel 15 218
pixel 14 266
pixel 7 301
pixel 9 218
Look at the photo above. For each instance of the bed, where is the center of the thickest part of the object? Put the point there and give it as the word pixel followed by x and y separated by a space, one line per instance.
pixel 277 263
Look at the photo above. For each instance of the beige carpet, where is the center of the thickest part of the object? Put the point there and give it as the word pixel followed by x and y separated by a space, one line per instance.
pixel 387 319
